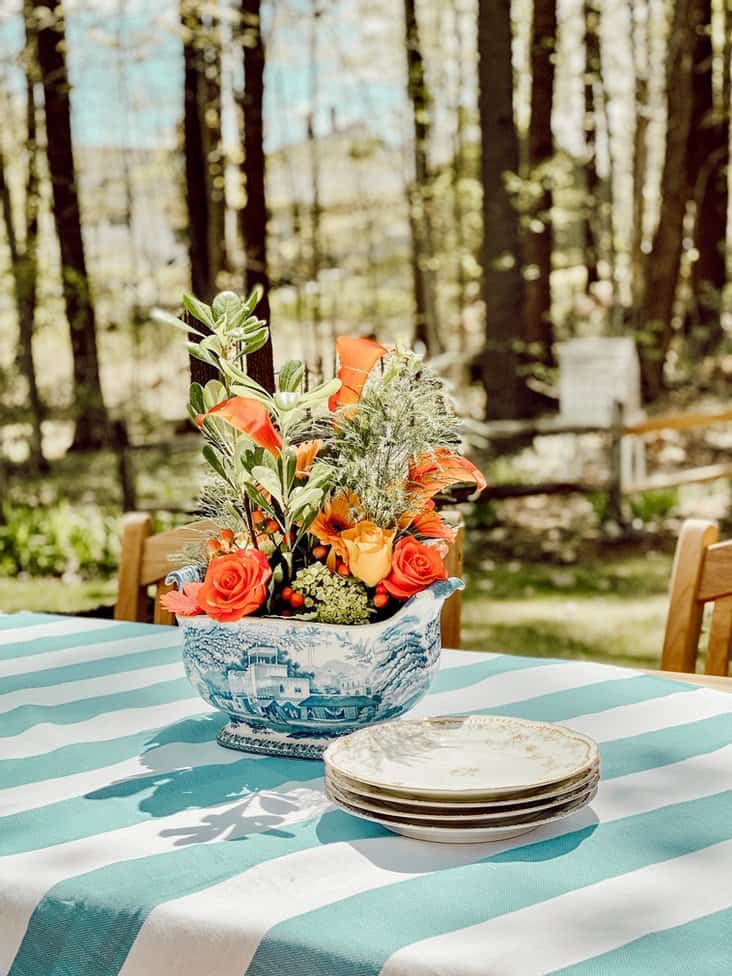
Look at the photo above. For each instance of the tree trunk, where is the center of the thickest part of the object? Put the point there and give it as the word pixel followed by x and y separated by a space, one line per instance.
pixel 592 67
pixel 197 182
pixel 419 193
pixel 708 161
pixel 458 174
pixel 92 422
pixel 538 244
pixel 24 269
pixel 503 285
pixel 254 216
pixel 662 266
pixel 639 47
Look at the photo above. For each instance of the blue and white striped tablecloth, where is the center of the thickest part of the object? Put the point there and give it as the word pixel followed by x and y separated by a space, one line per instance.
pixel 131 843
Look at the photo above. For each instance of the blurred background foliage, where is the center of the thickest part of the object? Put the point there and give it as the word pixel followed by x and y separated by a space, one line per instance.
pixel 487 180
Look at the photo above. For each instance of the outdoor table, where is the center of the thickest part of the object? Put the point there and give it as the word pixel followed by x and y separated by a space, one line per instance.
pixel 130 842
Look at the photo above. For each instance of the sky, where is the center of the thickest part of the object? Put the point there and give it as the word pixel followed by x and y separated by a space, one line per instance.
pixel 126 70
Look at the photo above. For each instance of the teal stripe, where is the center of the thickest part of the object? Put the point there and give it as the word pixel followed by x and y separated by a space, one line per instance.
pixel 356 936
pixel 463 676
pixel 64 642
pixel 162 693
pixel 558 706
pixel 97 668
pixel 27 619
pixel 653 749
pixel 703 946
pixel 86 925
pixel 160 793
pixel 84 756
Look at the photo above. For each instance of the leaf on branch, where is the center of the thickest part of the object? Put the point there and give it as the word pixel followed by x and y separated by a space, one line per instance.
pixel 198 309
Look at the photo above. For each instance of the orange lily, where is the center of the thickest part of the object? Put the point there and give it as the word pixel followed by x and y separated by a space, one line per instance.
pixel 428 524
pixel 331 522
pixel 357 358
pixel 434 472
pixel 306 454
pixel 249 416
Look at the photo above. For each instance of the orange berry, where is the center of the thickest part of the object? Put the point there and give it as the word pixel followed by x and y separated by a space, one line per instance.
pixel 272 526
pixel 286 612
pixel 320 552
pixel 343 570
pixel 297 600
pixel 286 593
pixel 226 537
pixel 380 588
pixel 213 546
pixel 257 516
pixel 381 600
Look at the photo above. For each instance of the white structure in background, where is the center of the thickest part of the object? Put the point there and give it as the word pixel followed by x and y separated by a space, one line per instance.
pixel 594 373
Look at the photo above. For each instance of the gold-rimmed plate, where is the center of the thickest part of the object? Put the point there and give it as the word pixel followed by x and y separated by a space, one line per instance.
pixel 457 813
pixel 474 756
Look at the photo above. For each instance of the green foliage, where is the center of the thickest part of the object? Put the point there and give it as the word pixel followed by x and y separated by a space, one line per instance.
pixel 58 540
pixel 404 412
pixel 655 504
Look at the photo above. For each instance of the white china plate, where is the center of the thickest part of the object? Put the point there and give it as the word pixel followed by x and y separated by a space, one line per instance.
pixel 460 803
pixel 466 756
pixel 461 814
pixel 463 835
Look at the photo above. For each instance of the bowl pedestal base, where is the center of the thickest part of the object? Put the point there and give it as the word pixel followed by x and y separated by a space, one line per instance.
pixel 251 738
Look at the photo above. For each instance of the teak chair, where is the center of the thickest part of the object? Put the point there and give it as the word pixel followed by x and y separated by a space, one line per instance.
pixel 145 560
pixel 702 573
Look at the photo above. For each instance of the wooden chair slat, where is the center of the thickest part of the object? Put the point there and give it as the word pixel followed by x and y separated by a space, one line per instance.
pixel 131 594
pixel 683 624
pixel 161 615
pixel 716 577
pixel 156 563
pixel 702 573
pixel 450 619
pixel 720 636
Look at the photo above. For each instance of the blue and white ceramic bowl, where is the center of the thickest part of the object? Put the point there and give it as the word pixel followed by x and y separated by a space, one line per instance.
pixel 289 686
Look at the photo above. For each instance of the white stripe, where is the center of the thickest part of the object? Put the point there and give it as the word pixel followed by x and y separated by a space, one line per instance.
pixel 90 652
pixel 240 911
pixel 108 684
pixel 456 659
pixel 74 625
pixel 580 924
pixel 513 686
pixel 47 737
pixel 625 721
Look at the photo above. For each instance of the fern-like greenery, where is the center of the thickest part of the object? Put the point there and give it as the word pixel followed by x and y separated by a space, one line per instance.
pixel 405 412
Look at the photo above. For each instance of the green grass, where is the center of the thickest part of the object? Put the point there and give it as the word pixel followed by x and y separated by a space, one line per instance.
pixel 611 611
pixel 52 595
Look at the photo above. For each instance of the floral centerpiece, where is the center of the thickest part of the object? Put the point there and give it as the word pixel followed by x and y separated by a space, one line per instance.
pixel 314 607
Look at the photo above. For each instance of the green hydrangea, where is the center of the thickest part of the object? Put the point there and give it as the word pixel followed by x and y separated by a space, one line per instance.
pixel 330 598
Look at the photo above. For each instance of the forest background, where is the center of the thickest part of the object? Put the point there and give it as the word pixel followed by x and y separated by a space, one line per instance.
pixel 486 179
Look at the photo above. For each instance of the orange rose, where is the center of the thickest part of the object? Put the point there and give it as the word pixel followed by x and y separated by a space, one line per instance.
pixel 235 585
pixel 249 416
pixel 369 551
pixel 357 358
pixel 413 567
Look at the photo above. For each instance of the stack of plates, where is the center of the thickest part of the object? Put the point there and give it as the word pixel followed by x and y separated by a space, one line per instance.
pixel 462 780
